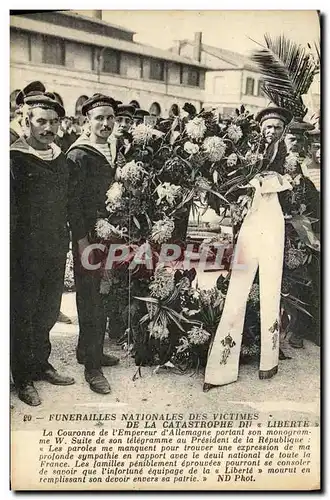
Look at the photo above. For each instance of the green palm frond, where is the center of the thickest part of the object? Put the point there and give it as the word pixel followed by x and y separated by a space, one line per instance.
pixel 288 70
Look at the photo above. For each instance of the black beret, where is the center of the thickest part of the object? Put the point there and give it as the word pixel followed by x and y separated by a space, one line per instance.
pixel 96 101
pixel 189 108
pixel 274 112
pixel 135 104
pixel 299 127
pixel 139 113
pixel 125 110
pixel 51 95
pixel 45 102
pixel 34 88
pixel 314 134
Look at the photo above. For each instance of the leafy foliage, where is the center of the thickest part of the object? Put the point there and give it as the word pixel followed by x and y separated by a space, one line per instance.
pixel 177 167
pixel 288 70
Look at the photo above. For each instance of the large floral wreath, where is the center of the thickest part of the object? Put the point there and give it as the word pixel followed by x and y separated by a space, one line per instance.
pixel 173 168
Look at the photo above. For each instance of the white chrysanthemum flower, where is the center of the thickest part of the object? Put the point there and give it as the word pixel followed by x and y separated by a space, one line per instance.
pixel 142 133
pixel 232 160
pixel 167 191
pixel 291 163
pixel 158 331
pixel 131 172
pixel 198 336
pixel 253 158
pixel 196 128
pixel 191 148
pixel 103 228
pixel 114 196
pixel 234 132
pixel 162 230
pixel 115 191
pixel 214 148
pixel 162 284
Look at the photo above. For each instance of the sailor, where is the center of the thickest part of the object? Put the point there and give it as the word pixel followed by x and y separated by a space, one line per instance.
pixel 16 125
pixel 92 170
pixel 39 244
pixel 260 245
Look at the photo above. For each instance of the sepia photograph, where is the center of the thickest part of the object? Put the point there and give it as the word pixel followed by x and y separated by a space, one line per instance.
pixel 165 250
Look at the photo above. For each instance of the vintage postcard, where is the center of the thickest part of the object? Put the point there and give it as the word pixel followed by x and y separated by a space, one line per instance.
pixel 165 179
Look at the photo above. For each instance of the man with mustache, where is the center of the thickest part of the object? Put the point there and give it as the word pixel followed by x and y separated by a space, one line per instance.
pixel 16 125
pixel 39 243
pixel 92 169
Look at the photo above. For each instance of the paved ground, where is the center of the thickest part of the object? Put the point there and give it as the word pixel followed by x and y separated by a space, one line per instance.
pixel 294 389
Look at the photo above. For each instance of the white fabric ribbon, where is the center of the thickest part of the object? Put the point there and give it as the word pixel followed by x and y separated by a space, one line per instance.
pixel 266 184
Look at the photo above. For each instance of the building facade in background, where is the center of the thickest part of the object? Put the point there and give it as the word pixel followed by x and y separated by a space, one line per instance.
pixel 76 56
pixel 232 78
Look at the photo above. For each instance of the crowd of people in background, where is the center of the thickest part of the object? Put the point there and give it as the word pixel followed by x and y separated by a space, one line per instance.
pixel 305 142
pixel 58 160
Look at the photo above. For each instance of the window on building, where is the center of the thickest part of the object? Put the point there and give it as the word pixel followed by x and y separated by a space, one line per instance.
pixel 249 89
pixel 79 103
pixel 156 69
pixel 30 47
pixel 111 61
pixel 53 50
pixel 155 109
pixel 141 67
pixel 20 46
pixel 260 91
pixel 94 54
pixel 193 77
pixel 181 74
